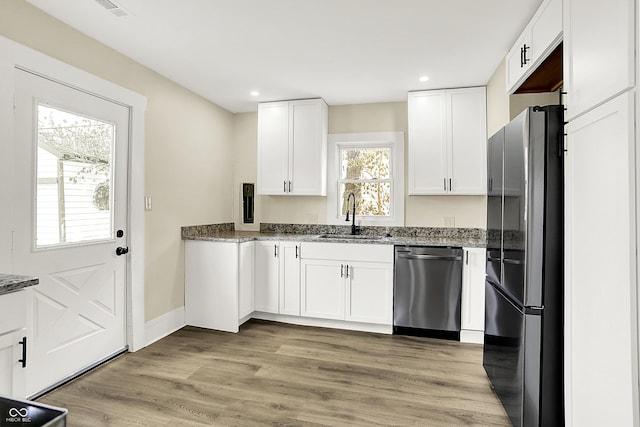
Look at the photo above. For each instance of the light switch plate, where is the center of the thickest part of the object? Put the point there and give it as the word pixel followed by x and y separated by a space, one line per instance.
pixel 147 203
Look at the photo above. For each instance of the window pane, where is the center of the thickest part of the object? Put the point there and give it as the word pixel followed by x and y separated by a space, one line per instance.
pixel 74 198
pixel 372 199
pixel 364 163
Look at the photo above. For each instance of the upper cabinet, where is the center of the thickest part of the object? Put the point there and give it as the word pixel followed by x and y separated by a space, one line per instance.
pixel 598 52
pixel 292 147
pixel 537 41
pixel 448 142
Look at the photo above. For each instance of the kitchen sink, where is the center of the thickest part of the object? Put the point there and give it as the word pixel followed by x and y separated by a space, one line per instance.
pixel 349 237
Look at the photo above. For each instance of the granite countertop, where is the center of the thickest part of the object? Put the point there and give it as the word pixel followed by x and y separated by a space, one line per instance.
pixel 14 282
pixel 420 236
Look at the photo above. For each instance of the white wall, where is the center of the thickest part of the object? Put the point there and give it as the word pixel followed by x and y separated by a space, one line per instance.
pixel 188 144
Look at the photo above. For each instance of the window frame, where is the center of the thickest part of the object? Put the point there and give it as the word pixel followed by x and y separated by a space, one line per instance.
pixel 392 140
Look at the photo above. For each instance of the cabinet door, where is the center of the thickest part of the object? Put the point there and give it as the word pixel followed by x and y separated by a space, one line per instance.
pixel 322 289
pixel 308 153
pixel 245 279
pixel 468 141
pixel 516 66
pixel 599 43
pixel 211 285
pixel 473 278
pixel 266 277
pixel 12 374
pixel 290 278
pixel 369 292
pixel 273 148
pixel 427 142
pixel 600 266
pixel 546 29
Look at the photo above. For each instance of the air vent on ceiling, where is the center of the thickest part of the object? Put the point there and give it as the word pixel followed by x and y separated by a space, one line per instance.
pixel 112 7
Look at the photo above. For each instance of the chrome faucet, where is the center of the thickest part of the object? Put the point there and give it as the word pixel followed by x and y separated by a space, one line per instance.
pixel 353 224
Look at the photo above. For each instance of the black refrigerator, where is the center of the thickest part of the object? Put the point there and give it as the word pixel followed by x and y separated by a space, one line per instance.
pixel 523 339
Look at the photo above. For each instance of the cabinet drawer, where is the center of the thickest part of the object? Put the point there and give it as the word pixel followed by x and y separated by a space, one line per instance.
pixel 347 251
pixel 13 311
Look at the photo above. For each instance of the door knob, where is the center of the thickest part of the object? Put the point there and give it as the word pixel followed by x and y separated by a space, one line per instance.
pixel 121 251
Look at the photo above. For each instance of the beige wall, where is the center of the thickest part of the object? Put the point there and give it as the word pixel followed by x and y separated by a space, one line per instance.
pixel 497 100
pixel 518 102
pixel 424 211
pixel 188 144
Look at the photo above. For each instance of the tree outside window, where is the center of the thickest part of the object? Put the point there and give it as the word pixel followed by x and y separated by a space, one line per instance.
pixel 366 172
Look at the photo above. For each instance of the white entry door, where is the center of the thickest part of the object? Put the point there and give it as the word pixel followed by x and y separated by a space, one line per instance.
pixel 70 216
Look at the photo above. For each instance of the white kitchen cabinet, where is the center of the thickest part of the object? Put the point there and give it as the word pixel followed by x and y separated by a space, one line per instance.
pixel 266 274
pixel 13 344
pixel 289 280
pixel 369 292
pixel 473 287
pixel 322 289
pixel 601 375
pixel 211 285
pixel 599 52
pixel 516 62
pixel 347 282
pixel 447 142
pixel 245 280
pixel 539 38
pixel 277 273
pixel 292 147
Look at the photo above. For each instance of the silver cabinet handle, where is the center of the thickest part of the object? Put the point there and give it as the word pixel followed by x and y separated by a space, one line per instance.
pixel 284 186
pixel 275 251
pixel 347 271
pixel 449 184
pixel 341 270
pixel 296 251
pixel 289 186
pixel 444 180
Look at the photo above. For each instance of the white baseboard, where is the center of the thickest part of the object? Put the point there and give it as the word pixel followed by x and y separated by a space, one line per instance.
pixel 324 323
pixel 164 325
pixel 475 337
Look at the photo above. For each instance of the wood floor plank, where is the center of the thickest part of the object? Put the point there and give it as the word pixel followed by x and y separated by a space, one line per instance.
pixel 286 375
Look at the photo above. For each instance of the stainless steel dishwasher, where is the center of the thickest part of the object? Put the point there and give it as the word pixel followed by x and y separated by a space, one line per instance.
pixel 427 291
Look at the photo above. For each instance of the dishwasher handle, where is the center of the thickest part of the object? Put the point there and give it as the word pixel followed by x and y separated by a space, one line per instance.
pixel 429 257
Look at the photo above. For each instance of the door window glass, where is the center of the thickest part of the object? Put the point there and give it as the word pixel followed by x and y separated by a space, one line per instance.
pixel 74 195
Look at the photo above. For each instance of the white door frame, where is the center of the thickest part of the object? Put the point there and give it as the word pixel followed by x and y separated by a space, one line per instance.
pixel 14 55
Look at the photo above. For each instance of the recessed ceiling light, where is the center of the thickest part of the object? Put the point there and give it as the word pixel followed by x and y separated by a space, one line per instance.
pixel 255 93
pixel 424 79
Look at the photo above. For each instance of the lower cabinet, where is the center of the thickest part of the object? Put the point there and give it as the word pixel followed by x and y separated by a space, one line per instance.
pixel 13 345
pixel 266 294
pixel 211 285
pixel 347 288
pixel 246 259
pixel 472 306
pixel 277 277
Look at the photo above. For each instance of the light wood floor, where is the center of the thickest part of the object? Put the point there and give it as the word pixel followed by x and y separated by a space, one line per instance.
pixel 278 374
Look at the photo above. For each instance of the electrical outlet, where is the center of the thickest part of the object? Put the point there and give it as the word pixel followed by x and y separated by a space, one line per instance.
pixel 450 221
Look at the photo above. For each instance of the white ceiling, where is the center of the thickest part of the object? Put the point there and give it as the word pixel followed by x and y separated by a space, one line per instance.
pixel 345 51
